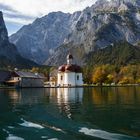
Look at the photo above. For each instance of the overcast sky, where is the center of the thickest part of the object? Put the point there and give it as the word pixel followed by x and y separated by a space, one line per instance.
pixel 20 12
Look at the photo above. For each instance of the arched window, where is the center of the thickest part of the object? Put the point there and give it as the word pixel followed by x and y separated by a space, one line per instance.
pixel 77 77
pixel 61 77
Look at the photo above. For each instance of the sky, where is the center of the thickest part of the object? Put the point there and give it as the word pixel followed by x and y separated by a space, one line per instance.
pixel 22 12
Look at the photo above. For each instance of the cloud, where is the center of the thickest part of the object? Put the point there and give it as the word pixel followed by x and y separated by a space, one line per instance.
pixel 37 8
pixel 17 17
pixel 6 7
pixel 24 12
pixel 18 20
pixel 11 15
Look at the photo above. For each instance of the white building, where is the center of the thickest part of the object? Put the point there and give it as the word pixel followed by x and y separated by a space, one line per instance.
pixel 69 74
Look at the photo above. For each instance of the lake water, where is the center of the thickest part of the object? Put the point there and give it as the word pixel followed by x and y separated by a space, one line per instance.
pixel 111 113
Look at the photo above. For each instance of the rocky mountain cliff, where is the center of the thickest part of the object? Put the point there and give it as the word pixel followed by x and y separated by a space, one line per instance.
pixel 38 40
pixel 97 27
pixel 9 56
pixel 103 24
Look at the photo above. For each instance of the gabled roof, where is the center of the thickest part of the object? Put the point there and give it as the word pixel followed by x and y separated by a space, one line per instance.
pixel 29 74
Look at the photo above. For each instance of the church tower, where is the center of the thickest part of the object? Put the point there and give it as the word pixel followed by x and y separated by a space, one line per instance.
pixel 69 59
pixel 69 74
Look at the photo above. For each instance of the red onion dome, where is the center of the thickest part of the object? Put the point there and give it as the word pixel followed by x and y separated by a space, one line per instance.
pixel 78 69
pixel 70 68
pixel 73 68
pixel 62 68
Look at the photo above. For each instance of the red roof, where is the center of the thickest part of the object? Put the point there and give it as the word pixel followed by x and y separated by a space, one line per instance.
pixel 62 68
pixel 71 68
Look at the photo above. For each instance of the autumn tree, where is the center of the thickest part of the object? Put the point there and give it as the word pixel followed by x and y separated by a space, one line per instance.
pixel 110 78
pixel 87 74
pixel 100 75
pixel 116 74
pixel 35 70
pixel 128 74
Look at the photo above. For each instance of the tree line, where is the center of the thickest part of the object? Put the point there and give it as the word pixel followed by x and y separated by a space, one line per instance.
pixel 100 74
pixel 111 74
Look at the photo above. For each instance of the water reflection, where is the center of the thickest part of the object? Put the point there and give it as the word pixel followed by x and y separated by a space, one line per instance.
pixel 66 97
pixel 113 96
pixel 114 109
pixel 61 95
pixel 96 96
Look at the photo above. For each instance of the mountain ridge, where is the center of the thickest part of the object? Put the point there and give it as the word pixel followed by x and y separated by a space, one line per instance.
pixel 94 28
pixel 43 35
pixel 99 29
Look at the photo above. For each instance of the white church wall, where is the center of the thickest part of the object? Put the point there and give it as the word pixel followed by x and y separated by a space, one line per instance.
pixel 69 78
pixel 79 79
pixel 60 78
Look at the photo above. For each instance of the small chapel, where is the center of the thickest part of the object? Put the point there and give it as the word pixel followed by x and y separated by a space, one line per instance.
pixel 69 74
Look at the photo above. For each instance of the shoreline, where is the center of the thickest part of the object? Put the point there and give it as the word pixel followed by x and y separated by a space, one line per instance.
pixel 84 86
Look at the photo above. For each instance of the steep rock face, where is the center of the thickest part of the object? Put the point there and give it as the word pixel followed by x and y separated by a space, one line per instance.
pixel 48 39
pixel 38 40
pixel 100 26
pixel 9 56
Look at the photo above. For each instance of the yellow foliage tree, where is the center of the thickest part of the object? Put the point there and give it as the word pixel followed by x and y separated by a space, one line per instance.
pixel 100 75
pixel 126 80
pixel 34 70
pixel 110 78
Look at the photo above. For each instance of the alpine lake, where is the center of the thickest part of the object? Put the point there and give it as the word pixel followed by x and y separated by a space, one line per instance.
pixel 91 113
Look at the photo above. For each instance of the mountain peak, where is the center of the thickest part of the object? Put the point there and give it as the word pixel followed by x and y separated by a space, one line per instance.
pixel 96 27
pixel 3 30
pixel 43 35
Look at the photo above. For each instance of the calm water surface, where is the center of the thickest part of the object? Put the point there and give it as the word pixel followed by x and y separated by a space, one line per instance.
pixel 111 113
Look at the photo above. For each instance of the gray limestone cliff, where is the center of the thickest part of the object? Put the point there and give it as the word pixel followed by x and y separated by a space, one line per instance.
pixel 104 24
pixel 48 39
pixel 38 40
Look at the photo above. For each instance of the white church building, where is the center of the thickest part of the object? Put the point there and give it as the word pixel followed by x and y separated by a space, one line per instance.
pixel 69 74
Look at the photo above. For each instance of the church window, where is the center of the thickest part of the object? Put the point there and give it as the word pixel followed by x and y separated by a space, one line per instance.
pixel 61 77
pixel 77 77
